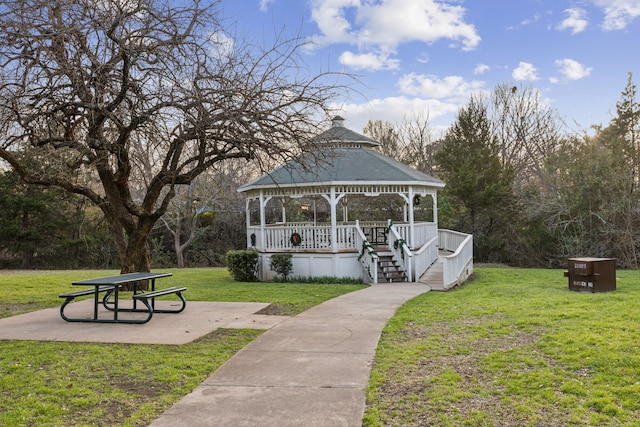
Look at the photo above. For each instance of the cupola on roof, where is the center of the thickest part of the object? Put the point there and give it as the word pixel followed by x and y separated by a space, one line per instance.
pixel 339 135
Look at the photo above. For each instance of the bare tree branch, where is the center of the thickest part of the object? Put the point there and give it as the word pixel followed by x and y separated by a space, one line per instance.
pixel 85 82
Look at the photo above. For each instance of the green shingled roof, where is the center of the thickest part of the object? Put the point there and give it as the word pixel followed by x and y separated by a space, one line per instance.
pixel 348 159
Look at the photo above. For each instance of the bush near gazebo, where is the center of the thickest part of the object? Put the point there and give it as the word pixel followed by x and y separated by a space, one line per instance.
pixel 281 264
pixel 243 265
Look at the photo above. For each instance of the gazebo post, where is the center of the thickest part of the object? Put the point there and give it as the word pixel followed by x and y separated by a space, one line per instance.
pixel 334 221
pixel 434 197
pixel 262 221
pixel 284 210
pixel 411 218
pixel 247 206
pixel 345 210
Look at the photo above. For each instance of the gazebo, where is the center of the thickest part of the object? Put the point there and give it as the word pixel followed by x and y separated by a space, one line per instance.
pixel 333 209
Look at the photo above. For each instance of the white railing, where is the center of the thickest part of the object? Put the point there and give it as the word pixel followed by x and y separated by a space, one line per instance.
pixel 368 257
pixel 422 232
pixel 425 257
pixel 459 265
pixel 314 237
pixel 346 237
pixel 400 250
pixel 277 237
pixel 449 240
pixel 351 237
pixel 254 238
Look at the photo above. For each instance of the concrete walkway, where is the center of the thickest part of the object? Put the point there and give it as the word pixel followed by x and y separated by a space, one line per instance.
pixel 309 370
pixel 199 319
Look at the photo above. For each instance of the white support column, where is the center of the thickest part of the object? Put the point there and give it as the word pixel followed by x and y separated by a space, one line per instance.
pixel 333 206
pixel 334 220
pixel 434 197
pixel 247 204
pixel 284 211
pixel 411 219
pixel 262 223
pixel 345 212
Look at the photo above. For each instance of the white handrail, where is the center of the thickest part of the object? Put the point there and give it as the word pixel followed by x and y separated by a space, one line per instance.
pixel 400 250
pixel 368 256
pixel 459 265
pixel 425 257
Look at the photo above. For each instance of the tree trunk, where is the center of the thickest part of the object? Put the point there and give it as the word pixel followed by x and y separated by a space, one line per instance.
pixel 138 253
pixel 130 236
pixel 180 256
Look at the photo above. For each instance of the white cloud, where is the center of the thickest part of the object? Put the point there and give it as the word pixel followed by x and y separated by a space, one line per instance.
pixel 264 4
pixel 329 15
pixel 618 13
pixel 576 21
pixel 426 86
pixel 383 25
pixel 525 71
pixel 481 69
pixel 221 44
pixel 393 109
pixel 392 22
pixel 423 58
pixel 572 70
pixel 525 22
pixel 439 98
pixel 368 61
pixel 530 21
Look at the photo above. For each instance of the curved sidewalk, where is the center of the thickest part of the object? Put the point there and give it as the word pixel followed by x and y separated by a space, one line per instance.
pixel 310 370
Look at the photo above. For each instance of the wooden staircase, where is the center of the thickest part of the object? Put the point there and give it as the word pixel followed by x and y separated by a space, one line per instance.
pixel 389 269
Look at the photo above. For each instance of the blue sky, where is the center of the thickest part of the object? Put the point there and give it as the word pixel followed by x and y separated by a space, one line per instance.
pixel 428 56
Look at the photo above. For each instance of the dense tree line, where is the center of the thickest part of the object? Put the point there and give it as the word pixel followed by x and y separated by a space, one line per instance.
pixel 531 194
pixel 45 227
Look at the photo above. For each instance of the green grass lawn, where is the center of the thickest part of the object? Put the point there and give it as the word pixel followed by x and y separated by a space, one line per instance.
pixel 86 384
pixel 513 347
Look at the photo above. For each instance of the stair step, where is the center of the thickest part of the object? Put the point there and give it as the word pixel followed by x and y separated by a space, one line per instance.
pixel 389 269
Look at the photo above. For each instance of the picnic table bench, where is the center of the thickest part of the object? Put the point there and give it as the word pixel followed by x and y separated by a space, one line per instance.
pixel 110 287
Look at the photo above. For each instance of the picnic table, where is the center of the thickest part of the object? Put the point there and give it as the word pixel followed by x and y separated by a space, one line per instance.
pixel 109 286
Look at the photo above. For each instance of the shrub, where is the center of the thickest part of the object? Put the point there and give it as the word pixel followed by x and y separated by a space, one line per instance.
pixel 242 265
pixel 281 264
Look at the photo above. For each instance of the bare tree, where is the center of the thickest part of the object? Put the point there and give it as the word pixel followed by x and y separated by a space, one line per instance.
pixel 83 82
pixel 195 205
pixel 410 141
pixel 387 135
pixel 527 129
pixel 416 135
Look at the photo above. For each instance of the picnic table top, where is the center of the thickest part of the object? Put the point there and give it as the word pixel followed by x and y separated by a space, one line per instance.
pixel 121 278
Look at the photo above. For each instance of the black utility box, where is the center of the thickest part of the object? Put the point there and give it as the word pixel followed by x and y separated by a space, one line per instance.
pixel 592 274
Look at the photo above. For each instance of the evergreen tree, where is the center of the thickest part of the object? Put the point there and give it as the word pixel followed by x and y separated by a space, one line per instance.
pixel 477 198
pixel 45 228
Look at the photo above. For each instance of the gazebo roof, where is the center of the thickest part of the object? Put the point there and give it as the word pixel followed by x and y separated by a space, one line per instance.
pixel 348 160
